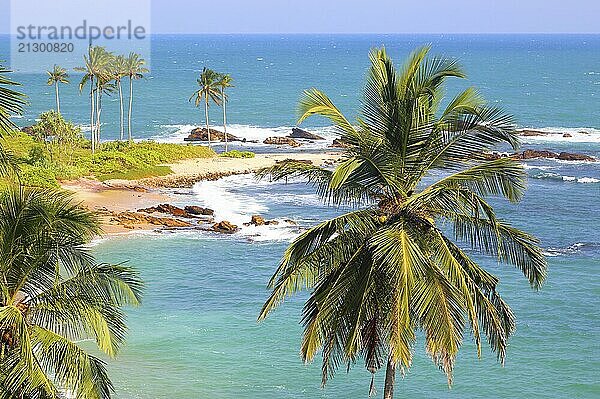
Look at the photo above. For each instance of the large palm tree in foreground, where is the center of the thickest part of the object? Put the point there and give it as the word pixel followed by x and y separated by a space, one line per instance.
pixel 53 295
pixel 208 91
pixel 56 76
pixel 398 264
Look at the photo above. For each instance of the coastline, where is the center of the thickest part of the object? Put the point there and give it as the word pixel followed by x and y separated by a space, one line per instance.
pixel 114 197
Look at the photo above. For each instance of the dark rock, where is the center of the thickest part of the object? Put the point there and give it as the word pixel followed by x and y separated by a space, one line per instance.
pixel 530 132
pixel 567 156
pixel 281 141
pixel 198 210
pixel 563 156
pixel 168 209
pixel 257 220
pixel 532 154
pixel 225 227
pixel 127 219
pixel 271 223
pixel 567 135
pixel 339 143
pixel 298 133
pixel 201 134
pixel 290 221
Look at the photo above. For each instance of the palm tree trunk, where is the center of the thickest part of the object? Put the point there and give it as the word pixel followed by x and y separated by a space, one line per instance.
pixel 57 98
pixel 390 379
pixel 98 96
pixel 121 109
pixel 224 116
pixel 206 114
pixel 92 105
pixel 130 104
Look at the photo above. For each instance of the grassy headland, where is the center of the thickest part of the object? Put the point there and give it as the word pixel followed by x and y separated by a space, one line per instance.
pixel 46 155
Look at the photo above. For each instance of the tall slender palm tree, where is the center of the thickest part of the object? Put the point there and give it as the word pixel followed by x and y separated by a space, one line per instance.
pixel 225 81
pixel 94 63
pixel 119 71
pixel 135 70
pixel 208 91
pixel 11 103
pixel 56 76
pixel 397 264
pixel 53 294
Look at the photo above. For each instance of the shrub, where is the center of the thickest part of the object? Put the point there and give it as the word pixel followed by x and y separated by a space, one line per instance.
pixel 237 154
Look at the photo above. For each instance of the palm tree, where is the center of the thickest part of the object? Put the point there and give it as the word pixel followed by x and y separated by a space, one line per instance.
pixel 53 295
pixel 11 103
pixel 396 264
pixel 135 70
pixel 119 71
pixel 209 91
pixel 224 82
pixel 55 76
pixel 94 64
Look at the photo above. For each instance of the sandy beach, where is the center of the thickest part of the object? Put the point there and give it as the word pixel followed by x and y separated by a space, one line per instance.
pixel 115 196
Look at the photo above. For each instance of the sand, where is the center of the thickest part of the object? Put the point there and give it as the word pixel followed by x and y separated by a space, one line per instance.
pixel 130 195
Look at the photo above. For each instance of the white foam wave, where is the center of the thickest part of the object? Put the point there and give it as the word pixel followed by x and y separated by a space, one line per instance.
pixel 230 199
pixel 557 134
pixel 254 135
pixel 571 179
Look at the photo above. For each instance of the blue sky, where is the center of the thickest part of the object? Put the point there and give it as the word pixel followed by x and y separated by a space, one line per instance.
pixel 363 16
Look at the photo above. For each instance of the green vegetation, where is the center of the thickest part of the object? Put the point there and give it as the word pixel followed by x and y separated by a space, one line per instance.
pixel 55 150
pixel 381 273
pixel 209 83
pixel 55 76
pixel 225 81
pixel 106 70
pixel 54 294
pixel 237 154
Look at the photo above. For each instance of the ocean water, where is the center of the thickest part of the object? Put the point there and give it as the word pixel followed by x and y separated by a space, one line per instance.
pixel 196 334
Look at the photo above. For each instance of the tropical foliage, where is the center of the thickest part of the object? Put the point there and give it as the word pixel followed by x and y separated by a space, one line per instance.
pixel 399 263
pixel 209 90
pixel 45 163
pixel 225 81
pixel 105 71
pixel 56 76
pixel 11 103
pixel 135 69
pixel 237 154
pixel 54 294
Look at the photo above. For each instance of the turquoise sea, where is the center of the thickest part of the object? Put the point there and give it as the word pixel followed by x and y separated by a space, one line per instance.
pixel 196 335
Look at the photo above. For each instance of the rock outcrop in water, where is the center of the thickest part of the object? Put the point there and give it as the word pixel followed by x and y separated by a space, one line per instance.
pixel 563 156
pixel 199 211
pixel 537 154
pixel 129 219
pixel 168 209
pixel 339 143
pixel 298 133
pixel 225 227
pixel 277 140
pixel 201 134
pixel 258 220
